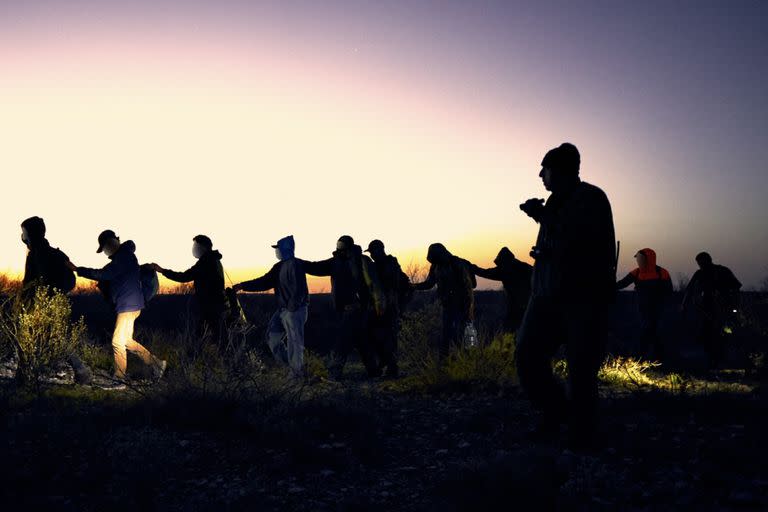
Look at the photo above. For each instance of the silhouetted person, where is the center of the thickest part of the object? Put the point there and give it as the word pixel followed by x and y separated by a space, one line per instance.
pixel 207 274
pixel 455 283
pixel 120 278
pixel 653 287
pixel 515 275
pixel 47 266
pixel 714 292
pixel 574 281
pixel 354 289
pixel 395 287
pixel 285 334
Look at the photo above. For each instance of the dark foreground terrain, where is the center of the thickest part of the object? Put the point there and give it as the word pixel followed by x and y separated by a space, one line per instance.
pixel 673 437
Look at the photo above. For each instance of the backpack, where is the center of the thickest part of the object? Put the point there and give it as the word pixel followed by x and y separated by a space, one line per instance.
pixel 404 288
pixel 150 284
pixel 60 276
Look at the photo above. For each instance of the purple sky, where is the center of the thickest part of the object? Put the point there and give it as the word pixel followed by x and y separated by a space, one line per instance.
pixel 666 100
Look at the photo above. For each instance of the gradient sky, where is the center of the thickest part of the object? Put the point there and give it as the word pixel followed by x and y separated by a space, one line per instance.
pixel 413 122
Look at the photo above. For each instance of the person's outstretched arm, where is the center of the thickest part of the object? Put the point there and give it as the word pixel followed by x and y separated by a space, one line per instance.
pixel 261 284
pixel 181 277
pixel 107 273
pixel 494 273
pixel 318 268
pixel 626 281
pixel 429 283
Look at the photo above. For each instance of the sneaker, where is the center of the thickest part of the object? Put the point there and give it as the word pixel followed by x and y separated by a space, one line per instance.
pixel 114 385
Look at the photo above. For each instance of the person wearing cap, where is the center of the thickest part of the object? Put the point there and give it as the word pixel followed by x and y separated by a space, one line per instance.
pixel 396 288
pixel 714 291
pixel 455 283
pixel 653 287
pixel 573 287
pixel 515 276
pixel 207 274
pixel 285 332
pixel 47 266
pixel 122 279
pixel 355 290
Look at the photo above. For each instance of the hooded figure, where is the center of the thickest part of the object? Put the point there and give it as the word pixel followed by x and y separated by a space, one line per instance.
pixel 455 283
pixel 515 276
pixel 653 286
pixel 285 334
pixel 48 266
pixel 714 292
pixel 355 291
pixel 45 265
pixel 207 274
pixel 121 280
pixel 573 287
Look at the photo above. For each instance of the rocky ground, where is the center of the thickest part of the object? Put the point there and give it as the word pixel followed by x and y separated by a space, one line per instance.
pixel 359 446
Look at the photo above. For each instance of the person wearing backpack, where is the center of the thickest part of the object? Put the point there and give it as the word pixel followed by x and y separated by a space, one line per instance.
pixel 653 286
pixel 47 266
pixel 207 274
pixel 397 290
pixel 285 332
pixel 123 276
pixel 355 292
pixel 515 275
pixel 455 283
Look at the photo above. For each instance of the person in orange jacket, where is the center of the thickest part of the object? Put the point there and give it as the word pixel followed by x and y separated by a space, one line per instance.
pixel 653 286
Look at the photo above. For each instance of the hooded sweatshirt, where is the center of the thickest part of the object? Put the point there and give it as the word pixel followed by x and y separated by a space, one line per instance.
pixel 652 282
pixel 454 279
pixel 286 277
pixel 122 275
pixel 44 264
pixel 208 277
pixel 514 274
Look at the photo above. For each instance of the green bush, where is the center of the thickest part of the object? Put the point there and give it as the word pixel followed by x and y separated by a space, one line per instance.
pixel 41 332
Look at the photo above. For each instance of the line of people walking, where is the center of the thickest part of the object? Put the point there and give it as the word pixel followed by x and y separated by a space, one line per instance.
pixel 564 299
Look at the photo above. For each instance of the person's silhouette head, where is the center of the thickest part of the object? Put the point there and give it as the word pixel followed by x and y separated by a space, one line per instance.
pixel 505 257
pixel 560 167
pixel 344 246
pixel 109 242
pixel 437 254
pixel 704 260
pixel 32 231
pixel 376 249
pixel 201 244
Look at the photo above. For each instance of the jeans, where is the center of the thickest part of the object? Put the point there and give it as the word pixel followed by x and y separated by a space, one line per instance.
pixel 285 338
pixel 122 340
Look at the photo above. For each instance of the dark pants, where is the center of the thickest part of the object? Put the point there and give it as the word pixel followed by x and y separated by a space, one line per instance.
pixel 582 328
pixel 711 323
pixel 650 319
pixel 351 334
pixel 454 323
pixel 514 317
pixel 211 324
pixel 382 331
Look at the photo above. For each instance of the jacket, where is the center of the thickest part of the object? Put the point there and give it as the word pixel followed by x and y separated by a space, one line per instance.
pixel 208 277
pixel 652 283
pixel 575 248
pixel 286 277
pixel 122 276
